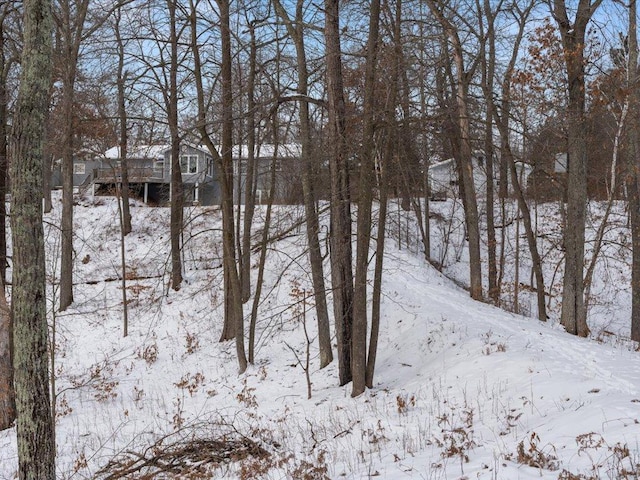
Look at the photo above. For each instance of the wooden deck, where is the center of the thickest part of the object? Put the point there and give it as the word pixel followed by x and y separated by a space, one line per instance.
pixel 136 175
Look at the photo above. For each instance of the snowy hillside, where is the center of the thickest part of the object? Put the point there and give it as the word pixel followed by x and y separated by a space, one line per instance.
pixel 463 389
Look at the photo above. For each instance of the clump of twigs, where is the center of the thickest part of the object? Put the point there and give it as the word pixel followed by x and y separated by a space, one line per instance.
pixel 188 458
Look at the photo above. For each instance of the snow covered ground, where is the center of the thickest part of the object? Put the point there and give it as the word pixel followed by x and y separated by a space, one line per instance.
pixel 463 389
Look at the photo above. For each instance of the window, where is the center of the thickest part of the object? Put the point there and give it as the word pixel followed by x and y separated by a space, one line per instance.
pixel 276 164
pixel 189 163
pixel 78 169
pixel 158 168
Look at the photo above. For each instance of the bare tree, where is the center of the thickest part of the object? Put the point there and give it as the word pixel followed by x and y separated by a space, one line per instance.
pixel 488 44
pixel 502 113
pixel 250 180
pixel 574 315
pixel 341 262
pixel 70 18
pixel 296 32
pixel 36 451
pixel 233 327
pixel 122 119
pixel 7 398
pixel 7 61
pixel 463 76
pixel 171 100
pixel 633 176
pixel 365 202
pixel 7 394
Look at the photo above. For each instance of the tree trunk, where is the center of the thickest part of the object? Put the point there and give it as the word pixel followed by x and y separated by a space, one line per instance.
pixel 71 24
pixel 249 190
pixel 4 72
pixel 633 174
pixel 341 261
pixel 66 227
pixel 502 117
pixel 177 195
pixel 124 137
pixel 574 315
pixel 36 451
pixel 233 290
pixel 464 156
pixel 7 394
pixel 308 174
pixel 488 76
pixel 202 126
pixel 365 201
pixel 410 162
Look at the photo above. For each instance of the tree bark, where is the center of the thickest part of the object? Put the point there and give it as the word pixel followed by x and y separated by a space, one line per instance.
pixel 488 77
pixel 124 136
pixel 340 241
pixel 36 451
pixel 177 195
pixel 633 173
pixel 365 201
pixel 233 291
pixel 502 117
pixel 574 316
pixel 71 24
pixel 308 174
pixel 4 72
pixel 464 157
pixel 249 189
pixel 7 394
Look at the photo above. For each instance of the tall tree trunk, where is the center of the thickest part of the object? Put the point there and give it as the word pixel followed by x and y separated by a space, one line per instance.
pixel 66 259
pixel 205 137
pixel 365 201
pixel 341 261
pixel 264 243
pixel 488 76
pixel 502 116
pixel 36 451
pixel 233 290
pixel 4 72
pixel 308 175
pixel 71 23
pixel 7 394
pixel 249 190
pixel 469 191
pixel 177 195
pixel 124 136
pixel 386 159
pixel 407 160
pixel 574 316
pixel 536 262
pixel 464 157
pixel 633 172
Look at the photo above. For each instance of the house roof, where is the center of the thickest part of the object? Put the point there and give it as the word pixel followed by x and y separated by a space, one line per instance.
pixel 450 162
pixel 442 164
pixel 286 150
pixel 143 151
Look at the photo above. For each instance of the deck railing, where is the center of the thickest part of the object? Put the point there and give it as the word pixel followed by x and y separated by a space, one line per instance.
pixel 135 174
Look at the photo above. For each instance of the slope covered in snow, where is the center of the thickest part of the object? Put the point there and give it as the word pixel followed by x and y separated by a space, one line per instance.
pixel 462 389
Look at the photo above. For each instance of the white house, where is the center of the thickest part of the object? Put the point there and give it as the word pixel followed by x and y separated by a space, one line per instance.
pixel 443 176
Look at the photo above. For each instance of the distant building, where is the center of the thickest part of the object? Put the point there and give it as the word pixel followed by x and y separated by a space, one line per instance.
pixel 443 176
pixel 149 173
pixel 560 164
pixel 284 159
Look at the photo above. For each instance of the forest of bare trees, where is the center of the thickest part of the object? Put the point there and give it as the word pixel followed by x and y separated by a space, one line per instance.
pixel 374 93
